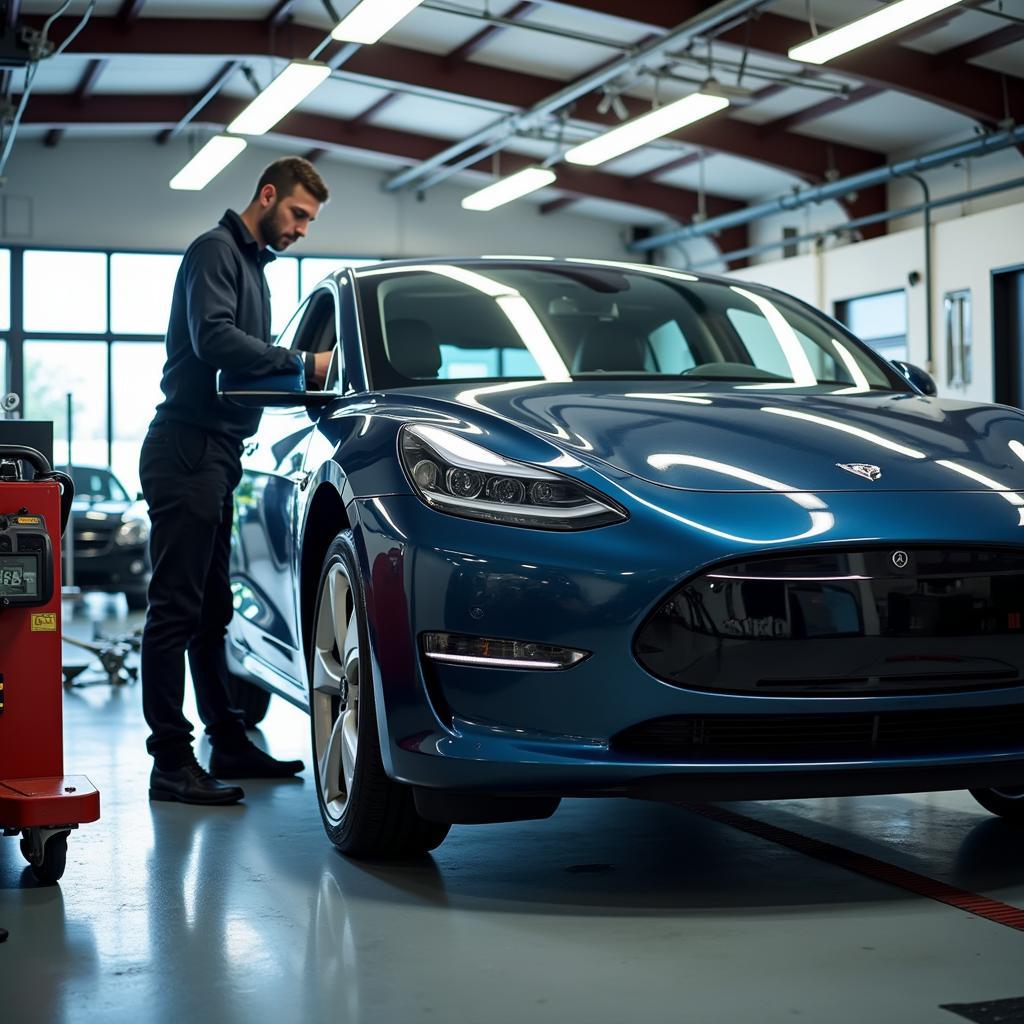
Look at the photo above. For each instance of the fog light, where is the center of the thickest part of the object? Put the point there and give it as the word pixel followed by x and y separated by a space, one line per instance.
pixel 488 652
pixel 137 566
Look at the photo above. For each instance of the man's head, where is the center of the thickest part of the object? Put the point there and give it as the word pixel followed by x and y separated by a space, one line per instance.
pixel 287 199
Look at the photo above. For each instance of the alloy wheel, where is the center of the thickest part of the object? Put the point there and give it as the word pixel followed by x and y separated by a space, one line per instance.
pixel 335 692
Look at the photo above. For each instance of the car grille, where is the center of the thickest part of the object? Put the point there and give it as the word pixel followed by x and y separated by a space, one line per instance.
pixel 913 620
pixel 944 732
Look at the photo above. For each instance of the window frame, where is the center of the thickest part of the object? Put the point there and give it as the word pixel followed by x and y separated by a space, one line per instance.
pixel 17 336
pixel 840 313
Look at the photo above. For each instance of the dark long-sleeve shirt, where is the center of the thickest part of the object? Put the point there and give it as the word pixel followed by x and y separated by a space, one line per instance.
pixel 220 320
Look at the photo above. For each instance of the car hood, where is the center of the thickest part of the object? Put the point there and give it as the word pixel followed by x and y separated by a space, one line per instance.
pixel 735 438
pixel 83 508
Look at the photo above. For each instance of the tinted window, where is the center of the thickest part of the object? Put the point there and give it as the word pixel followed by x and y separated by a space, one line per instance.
pixel 97 484
pixel 497 321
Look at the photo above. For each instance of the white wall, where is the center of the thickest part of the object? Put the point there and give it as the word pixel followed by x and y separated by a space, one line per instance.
pixel 965 251
pixel 114 194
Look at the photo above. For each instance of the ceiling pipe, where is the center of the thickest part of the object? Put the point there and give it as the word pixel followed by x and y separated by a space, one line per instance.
pixel 852 225
pixel 929 363
pixel 836 189
pixel 505 128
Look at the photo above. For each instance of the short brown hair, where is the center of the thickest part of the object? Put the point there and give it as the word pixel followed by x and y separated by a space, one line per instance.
pixel 289 171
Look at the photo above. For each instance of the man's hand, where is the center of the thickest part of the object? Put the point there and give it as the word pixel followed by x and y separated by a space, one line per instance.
pixel 321 364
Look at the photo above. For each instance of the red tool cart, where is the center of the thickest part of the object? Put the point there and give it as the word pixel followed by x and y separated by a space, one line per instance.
pixel 37 800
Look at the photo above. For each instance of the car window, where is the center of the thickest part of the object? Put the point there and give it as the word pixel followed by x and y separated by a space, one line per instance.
pixel 313 328
pixel 669 350
pixel 286 339
pixel 97 484
pixel 495 321
pixel 765 352
pixel 335 374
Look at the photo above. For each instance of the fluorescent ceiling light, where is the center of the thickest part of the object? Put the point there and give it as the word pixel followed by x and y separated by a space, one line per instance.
pixel 283 94
pixel 889 19
pixel 208 163
pixel 513 187
pixel 369 20
pixel 646 128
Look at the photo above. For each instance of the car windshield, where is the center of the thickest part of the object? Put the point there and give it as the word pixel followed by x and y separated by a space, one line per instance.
pixel 95 484
pixel 436 322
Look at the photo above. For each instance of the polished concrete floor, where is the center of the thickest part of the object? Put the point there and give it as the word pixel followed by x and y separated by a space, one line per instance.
pixel 611 911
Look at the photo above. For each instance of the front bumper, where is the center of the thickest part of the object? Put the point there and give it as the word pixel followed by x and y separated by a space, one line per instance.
pixel 117 569
pixel 509 731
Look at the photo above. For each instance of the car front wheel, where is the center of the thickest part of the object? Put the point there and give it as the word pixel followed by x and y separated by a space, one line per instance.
pixel 1007 802
pixel 365 814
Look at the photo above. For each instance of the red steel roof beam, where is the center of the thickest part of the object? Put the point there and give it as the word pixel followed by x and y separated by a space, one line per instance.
pixel 484 36
pixel 792 153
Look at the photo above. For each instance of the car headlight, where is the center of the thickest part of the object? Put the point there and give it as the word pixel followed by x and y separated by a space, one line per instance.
pixel 132 532
pixel 455 475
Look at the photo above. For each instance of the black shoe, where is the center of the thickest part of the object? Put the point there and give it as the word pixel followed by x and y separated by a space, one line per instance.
pixel 190 784
pixel 251 763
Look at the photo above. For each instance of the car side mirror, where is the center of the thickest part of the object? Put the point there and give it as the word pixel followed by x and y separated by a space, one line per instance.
pixel 921 379
pixel 275 390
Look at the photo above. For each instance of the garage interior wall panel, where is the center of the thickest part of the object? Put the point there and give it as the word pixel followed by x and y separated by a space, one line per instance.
pixel 114 195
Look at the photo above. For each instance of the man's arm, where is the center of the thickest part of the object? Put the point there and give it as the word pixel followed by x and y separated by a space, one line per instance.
pixel 212 288
pixel 316 366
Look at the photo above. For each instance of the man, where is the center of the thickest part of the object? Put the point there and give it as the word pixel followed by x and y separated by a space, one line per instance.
pixel 190 465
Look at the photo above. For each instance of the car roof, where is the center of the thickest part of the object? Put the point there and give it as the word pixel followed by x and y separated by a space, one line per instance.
pixel 371 270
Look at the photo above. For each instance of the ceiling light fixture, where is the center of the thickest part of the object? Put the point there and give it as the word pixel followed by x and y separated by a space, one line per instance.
pixel 283 94
pixel 889 19
pixel 369 20
pixel 207 163
pixel 515 186
pixel 646 128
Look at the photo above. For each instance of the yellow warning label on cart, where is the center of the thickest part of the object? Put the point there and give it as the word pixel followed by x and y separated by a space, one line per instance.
pixel 44 622
pixel 27 520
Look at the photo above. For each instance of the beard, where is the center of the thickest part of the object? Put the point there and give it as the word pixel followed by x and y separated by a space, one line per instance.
pixel 273 229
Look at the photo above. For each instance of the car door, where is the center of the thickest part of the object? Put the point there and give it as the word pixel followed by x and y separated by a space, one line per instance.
pixel 264 569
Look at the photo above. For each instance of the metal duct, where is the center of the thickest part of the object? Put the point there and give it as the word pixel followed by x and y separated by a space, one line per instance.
pixel 836 189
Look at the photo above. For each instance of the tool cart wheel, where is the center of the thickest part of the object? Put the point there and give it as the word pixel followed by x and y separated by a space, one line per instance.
pixel 47 856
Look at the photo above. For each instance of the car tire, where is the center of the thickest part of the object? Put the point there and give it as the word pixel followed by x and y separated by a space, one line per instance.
pixel 252 700
pixel 365 813
pixel 1008 803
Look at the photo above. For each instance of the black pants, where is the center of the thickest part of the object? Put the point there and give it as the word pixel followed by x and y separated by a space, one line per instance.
pixel 188 477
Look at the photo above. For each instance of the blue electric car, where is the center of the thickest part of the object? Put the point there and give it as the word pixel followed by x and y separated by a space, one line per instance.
pixel 580 528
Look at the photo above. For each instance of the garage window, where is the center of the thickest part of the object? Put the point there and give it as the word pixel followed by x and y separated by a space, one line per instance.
pixel 283 280
pixel 65 292
pixel 55 368
pixel 92 324
pixel 878 320
pixel 135 371
pixel 5 290
pixel 141 288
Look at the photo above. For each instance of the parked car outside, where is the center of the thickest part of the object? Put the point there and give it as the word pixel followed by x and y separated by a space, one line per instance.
pixel 578 528
pixel 110 533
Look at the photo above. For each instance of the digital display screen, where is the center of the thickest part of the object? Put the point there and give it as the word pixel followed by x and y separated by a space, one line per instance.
pixel 19 576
